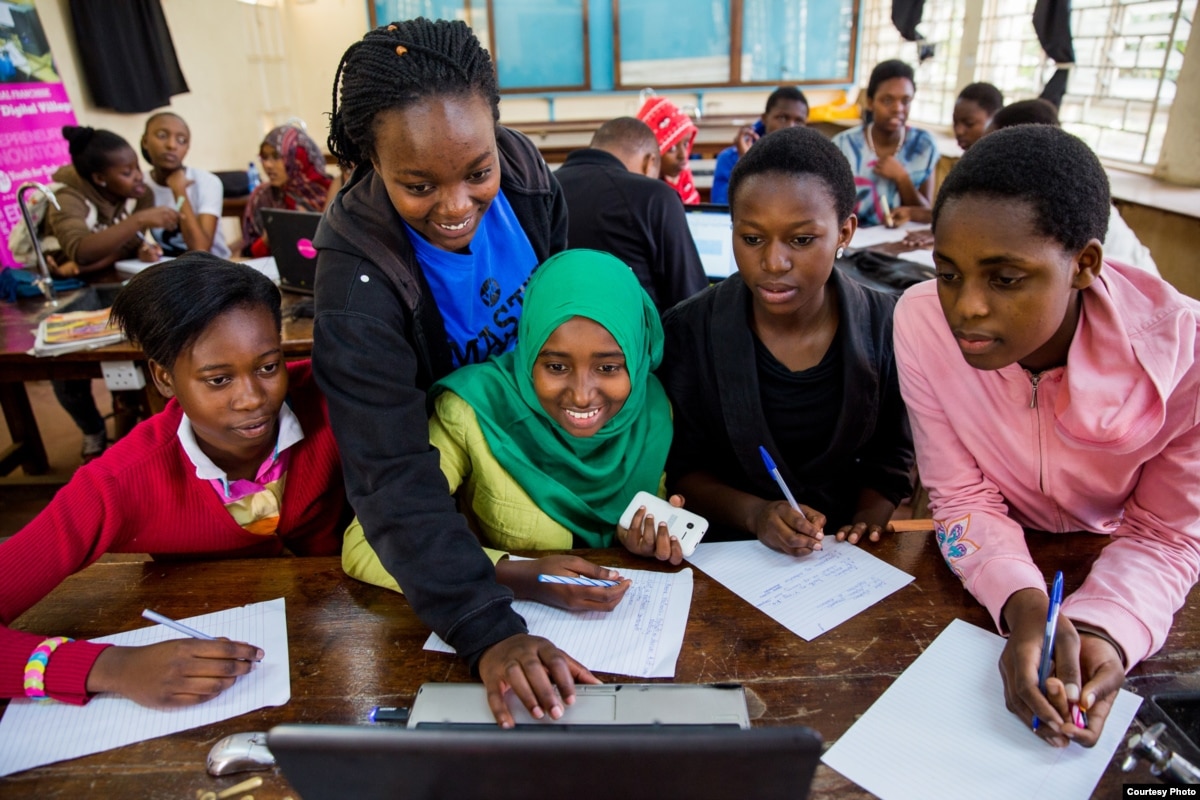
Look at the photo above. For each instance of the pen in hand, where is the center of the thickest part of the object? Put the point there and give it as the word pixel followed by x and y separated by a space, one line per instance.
pixel 186 630
pixel 1056 592
pixel 769 463
pixel 575 580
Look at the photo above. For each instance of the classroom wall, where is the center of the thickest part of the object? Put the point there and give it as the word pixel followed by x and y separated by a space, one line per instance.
pixel 227 74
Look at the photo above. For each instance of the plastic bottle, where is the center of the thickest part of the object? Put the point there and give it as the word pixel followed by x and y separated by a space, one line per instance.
pixel 252 177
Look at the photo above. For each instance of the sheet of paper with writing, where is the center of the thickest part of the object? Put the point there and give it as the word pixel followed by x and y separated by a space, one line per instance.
pixel 33 734
pixel 641 637
pixel 943 723
pixel 808 595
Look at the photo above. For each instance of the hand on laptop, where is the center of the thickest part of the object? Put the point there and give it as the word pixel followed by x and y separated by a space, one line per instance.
pixel 532 667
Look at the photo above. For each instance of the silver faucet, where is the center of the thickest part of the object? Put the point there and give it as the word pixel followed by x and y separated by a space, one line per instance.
pixel 43 281
pixel 1171 767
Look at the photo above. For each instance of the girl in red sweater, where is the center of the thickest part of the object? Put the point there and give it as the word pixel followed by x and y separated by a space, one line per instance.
pixel 240 463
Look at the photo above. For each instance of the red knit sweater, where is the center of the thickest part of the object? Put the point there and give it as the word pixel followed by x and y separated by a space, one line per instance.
pixel 143 496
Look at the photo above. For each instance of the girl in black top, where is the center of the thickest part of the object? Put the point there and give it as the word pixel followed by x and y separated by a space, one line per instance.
pixel 792 356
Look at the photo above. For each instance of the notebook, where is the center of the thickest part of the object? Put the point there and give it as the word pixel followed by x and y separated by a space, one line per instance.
pixel 712 230
pixel 290 234
pixel 581 763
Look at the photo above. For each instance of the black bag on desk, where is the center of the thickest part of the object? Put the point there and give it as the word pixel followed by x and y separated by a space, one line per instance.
pixel 883 272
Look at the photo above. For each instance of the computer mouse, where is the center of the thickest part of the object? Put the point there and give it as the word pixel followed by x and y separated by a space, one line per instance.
pixel 240 752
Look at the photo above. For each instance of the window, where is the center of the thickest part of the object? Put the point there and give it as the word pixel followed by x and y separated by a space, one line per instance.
pixel 937 79
pixel 659 43
pixel 1128 54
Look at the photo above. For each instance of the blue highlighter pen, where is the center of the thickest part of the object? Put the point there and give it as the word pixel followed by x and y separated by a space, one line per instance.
pixel 1056 592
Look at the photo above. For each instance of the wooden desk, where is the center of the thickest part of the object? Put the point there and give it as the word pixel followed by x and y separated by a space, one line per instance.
pixel 354 646
pixel 18 326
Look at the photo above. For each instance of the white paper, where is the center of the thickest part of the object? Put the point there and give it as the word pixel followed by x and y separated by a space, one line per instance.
pixel 641 637
pixel 809 594
pixel 881 234
pixel 132 266
pixel 943 723
pixel 33 733
pixel 923 257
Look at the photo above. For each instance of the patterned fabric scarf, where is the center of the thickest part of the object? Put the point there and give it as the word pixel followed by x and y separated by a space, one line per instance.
pixel 306 187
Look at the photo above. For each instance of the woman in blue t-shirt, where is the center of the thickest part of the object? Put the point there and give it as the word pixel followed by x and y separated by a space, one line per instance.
pixel 423 259
pixel 893 164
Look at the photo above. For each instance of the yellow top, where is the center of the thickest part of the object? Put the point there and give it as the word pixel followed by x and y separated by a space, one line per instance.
pixel 500 512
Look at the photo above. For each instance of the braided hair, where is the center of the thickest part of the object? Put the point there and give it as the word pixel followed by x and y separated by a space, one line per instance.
pixel 397 65
pixel 92 149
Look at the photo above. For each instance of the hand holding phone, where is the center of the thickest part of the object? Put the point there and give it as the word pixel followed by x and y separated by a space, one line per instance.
pixel 686 527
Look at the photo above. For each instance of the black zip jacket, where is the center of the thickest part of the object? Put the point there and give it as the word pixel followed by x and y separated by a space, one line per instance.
pixel 379 342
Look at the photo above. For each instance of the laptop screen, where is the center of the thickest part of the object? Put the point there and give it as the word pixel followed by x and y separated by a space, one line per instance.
pixel 711 228
pixel 364 762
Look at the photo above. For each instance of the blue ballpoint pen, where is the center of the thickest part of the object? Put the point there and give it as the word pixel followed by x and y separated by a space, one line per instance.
pixel 1056 592
pixel 769 463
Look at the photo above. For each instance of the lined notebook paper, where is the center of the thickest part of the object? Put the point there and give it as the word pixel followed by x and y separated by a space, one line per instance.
pixel 943 724
pixel 33 734
pixel 809 594
pixel 641 637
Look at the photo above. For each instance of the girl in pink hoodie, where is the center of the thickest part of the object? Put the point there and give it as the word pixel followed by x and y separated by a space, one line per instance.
pixel 1052 390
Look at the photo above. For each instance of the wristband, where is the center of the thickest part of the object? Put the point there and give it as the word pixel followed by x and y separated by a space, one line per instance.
pixel 35 669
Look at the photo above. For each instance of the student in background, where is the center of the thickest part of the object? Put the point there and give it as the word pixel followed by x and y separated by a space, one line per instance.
pixel 1052 389
pixel 104 204
pixel 1120 243
pixel 618 205
pixel 893 163
pixel 787 107
pixel 973 111
pixel 197 195
pixel 423 258
pixel 104 209
pixel 294 168
pixel 675 133
pixel 790 355
pixel 240 463
pixel 546 444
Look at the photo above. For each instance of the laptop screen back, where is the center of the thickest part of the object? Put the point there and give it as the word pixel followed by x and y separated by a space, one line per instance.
pixel 581 763
pixel 712 230
pixel 290 234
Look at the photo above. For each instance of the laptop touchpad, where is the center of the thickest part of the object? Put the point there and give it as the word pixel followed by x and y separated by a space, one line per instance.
pixel 596 708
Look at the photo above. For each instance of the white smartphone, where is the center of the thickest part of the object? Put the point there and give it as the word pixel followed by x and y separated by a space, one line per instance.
pixel 685 526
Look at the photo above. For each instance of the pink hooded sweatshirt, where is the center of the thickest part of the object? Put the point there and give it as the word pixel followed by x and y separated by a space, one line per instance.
pixel 1109 443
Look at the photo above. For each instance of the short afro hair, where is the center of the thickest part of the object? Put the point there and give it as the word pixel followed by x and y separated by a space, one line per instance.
pixel 1056 174
pixel 796 152
pixel 785 94
pixel 984 95
pixel 1026 112
pixel 885 71
pixel 166 307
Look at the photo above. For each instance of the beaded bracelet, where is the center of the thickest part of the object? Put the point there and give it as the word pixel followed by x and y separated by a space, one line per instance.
pixel 35 669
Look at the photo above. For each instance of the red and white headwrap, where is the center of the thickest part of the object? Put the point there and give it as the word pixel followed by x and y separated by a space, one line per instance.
pixel 671 126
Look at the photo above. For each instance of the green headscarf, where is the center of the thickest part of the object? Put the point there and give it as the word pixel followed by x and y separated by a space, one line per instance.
pixel 582 482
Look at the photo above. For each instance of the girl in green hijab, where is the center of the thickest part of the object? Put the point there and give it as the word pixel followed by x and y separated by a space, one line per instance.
pixel 546 444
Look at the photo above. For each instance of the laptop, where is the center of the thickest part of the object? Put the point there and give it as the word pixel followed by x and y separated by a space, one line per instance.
pixel 581 763
pixel 290 234
pixel 465 704
pixel 712 230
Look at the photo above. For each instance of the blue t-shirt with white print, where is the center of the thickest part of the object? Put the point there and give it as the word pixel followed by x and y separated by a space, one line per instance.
pixel 480 293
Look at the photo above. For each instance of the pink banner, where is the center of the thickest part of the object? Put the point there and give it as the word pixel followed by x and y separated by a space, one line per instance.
pixel 33 109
